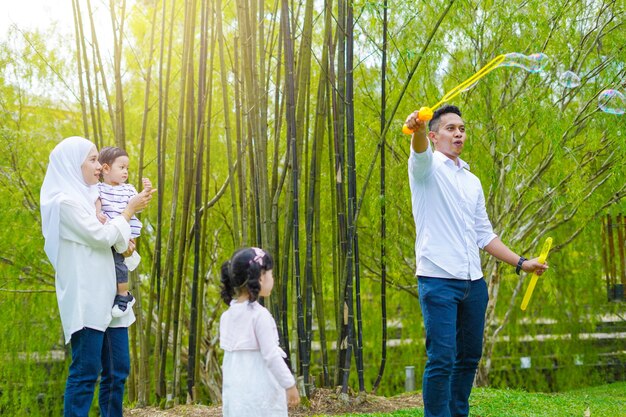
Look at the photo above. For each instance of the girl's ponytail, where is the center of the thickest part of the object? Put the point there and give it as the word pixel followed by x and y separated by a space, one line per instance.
pixel 227 291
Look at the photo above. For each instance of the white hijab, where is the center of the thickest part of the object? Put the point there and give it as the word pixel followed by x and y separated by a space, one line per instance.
pixel 64 182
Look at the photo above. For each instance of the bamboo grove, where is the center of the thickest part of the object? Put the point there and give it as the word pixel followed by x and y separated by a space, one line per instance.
pixel 276 124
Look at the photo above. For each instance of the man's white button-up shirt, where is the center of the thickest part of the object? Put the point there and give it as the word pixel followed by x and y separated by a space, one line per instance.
pixel 451 221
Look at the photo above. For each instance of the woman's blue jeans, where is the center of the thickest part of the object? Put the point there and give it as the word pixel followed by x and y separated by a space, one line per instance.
pixel 454 318
pixel 97 353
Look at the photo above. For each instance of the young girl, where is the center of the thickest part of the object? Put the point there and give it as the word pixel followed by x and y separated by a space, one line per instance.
pixel 114 195
pixel 256 380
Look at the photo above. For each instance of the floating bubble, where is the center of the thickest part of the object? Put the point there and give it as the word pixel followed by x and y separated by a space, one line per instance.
pixel 514 59
pixel 531 63
pixel 538 62
pixel 569 79
pixel 612 101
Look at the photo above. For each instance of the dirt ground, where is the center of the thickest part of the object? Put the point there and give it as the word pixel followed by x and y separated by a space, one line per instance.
pixel 323 401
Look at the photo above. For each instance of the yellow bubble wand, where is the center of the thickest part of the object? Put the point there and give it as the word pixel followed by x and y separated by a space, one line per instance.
pixel 426 113
pixel 533 281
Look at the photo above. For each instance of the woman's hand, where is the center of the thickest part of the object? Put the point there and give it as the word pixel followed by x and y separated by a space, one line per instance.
pixel 130 249
pixel 101 217
pixel 139 202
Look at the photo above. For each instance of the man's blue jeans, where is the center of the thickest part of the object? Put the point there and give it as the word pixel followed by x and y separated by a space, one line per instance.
pixel 454 318
pixel 95 352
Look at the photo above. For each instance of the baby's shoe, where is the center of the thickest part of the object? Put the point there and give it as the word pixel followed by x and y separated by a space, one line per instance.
pixel 122 304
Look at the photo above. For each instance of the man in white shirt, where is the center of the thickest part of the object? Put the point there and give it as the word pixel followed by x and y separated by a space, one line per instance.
pixel 451 225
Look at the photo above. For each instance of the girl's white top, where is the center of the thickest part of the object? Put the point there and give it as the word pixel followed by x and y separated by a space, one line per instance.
pixel 250 327
pixel 77 244
pixel 254 374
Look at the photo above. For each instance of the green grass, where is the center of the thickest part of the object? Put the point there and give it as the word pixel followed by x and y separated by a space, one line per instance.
pixel 601 401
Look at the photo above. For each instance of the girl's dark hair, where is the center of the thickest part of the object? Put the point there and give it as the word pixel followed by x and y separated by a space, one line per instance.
pixel 243 270
pixel 109 154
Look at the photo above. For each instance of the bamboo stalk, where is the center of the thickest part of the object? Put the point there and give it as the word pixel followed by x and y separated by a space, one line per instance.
pixel 241 144
pixel 90 92
pixel 605 262
pixel 195 331
pixel 383 216
pixel 143 388
pixel 620 224
pixel 79 53
pixel 613 261
pixel 227 128
pixel 353 243
pixel 157 271
pixel 119 128
pixel 100 69
pixel 337 79
pixel 291 137
pixel 185 145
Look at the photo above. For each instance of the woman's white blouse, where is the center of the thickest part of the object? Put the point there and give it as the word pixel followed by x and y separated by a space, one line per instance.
pixel 85 273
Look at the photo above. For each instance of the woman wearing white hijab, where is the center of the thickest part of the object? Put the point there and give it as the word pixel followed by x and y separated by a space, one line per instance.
pixel 79 248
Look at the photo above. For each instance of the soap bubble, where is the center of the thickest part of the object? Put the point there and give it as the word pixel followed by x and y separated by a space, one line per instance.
pixel 538 62
pixel 569 79
pixel 514 59
pixel 531 63
pixel 612 101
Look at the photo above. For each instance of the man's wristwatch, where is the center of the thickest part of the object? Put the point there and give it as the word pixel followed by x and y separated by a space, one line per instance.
pixel 519 264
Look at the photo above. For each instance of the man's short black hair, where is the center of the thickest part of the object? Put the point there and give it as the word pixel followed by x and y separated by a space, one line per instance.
pixel 433 125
